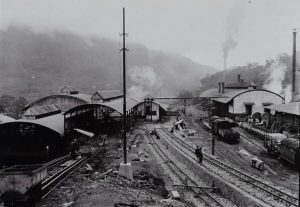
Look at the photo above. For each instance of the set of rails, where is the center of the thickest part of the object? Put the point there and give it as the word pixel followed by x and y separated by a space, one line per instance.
pixel 31 183
pixel 211 162
pixel 206 197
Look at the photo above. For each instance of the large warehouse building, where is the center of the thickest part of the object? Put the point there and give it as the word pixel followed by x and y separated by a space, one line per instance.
pixel 239 99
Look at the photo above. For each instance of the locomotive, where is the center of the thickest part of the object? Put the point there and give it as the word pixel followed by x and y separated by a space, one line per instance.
pixel 224 129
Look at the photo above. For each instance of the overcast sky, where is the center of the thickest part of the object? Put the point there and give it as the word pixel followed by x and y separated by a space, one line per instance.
pixel 260 29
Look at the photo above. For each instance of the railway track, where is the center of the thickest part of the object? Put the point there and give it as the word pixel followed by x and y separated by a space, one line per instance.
pixel 244 136
pixel 206 197
pixel 58 176
pixel 211 162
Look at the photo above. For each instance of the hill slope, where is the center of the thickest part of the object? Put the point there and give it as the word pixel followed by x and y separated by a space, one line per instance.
pixel 36 64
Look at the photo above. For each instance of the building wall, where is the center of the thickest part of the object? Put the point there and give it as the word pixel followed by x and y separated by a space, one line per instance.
pixel 258 98
pixel 155 108
pixel 96 98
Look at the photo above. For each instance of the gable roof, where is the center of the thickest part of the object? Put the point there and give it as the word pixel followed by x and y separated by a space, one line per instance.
pixel 109 94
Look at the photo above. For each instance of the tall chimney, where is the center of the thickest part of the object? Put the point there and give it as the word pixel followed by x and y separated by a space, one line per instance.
pixel 242 80
pixel 219 87
pixel 239 78
pixel 294 66
pixel 222 87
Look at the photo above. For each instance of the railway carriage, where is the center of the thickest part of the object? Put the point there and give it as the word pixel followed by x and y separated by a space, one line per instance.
pixel 288 149
pixel 272 142
pixel 225 130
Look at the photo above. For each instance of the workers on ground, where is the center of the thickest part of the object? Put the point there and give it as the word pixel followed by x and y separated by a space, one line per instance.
pixel 74 148
pixel 199 154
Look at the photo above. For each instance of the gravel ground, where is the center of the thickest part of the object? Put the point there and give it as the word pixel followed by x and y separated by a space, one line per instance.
pixel 87 188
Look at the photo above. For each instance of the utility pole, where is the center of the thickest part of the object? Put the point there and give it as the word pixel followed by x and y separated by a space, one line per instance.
pixel 294 67
pixel 124 49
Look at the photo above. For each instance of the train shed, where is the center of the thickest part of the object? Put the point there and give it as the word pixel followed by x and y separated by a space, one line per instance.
pixel 26 141
pixel 150 110
pixel 64 102
pixel 99 116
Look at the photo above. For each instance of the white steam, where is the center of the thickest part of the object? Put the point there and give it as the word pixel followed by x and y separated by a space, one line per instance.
pixel 145 82
pixel 274 82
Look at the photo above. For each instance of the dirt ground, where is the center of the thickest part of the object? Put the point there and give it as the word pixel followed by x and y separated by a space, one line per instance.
pixel 87 188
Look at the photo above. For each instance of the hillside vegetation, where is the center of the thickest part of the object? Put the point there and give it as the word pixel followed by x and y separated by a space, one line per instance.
pixel 37 64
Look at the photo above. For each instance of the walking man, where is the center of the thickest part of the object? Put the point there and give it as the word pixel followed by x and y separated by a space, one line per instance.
pixel 200 157
pixel 197 152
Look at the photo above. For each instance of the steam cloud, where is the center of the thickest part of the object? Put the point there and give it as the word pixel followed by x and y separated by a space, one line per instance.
pixel 274 82
pixel 146 82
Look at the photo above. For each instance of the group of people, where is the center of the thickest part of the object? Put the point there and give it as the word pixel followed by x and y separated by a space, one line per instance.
pixel 199 154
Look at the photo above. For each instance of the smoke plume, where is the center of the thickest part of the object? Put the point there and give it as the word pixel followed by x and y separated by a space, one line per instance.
pixel 229 44
pixel 274 82
pixel 145 82
pixel 236 15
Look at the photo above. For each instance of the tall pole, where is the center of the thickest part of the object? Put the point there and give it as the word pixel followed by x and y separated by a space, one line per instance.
pixel 294 66
pixel 124 90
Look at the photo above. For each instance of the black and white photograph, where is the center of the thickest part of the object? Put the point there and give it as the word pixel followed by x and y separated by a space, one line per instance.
pixel 149 103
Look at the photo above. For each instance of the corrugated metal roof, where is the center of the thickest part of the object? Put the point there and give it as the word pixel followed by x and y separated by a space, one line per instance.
pixel 82 96
pixel 4 118
pixel 290 108
pixel 109 94
pixel 117 104
pixel 41 110
pixel 229 95
pixel 55 122
pixel 163 106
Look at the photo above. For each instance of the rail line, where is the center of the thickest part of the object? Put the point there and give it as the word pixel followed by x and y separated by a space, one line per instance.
pixel 277 194
pixel 49 184
pixel 209 200
pixel 242 134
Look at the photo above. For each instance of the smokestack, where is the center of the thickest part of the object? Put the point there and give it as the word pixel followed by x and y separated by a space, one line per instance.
pixel 219 87
pixel 239 78
pixel 242 80
pixel 294 67
pixel 222 87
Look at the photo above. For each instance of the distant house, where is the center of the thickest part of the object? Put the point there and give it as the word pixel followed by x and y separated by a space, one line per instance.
pixel 240 84
pixel 105 96
pixel 239 98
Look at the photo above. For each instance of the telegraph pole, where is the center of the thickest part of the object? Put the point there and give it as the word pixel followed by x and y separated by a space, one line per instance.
pixel 294 67
pixel 124 49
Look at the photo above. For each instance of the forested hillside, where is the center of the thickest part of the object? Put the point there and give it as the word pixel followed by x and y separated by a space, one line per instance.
pixel 37 64
pixel 274 75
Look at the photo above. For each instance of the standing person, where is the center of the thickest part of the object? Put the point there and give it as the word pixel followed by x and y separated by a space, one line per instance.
pixel 200 157
pixel 197 152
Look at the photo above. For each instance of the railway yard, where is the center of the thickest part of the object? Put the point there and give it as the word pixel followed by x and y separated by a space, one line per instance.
pixel 165 171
